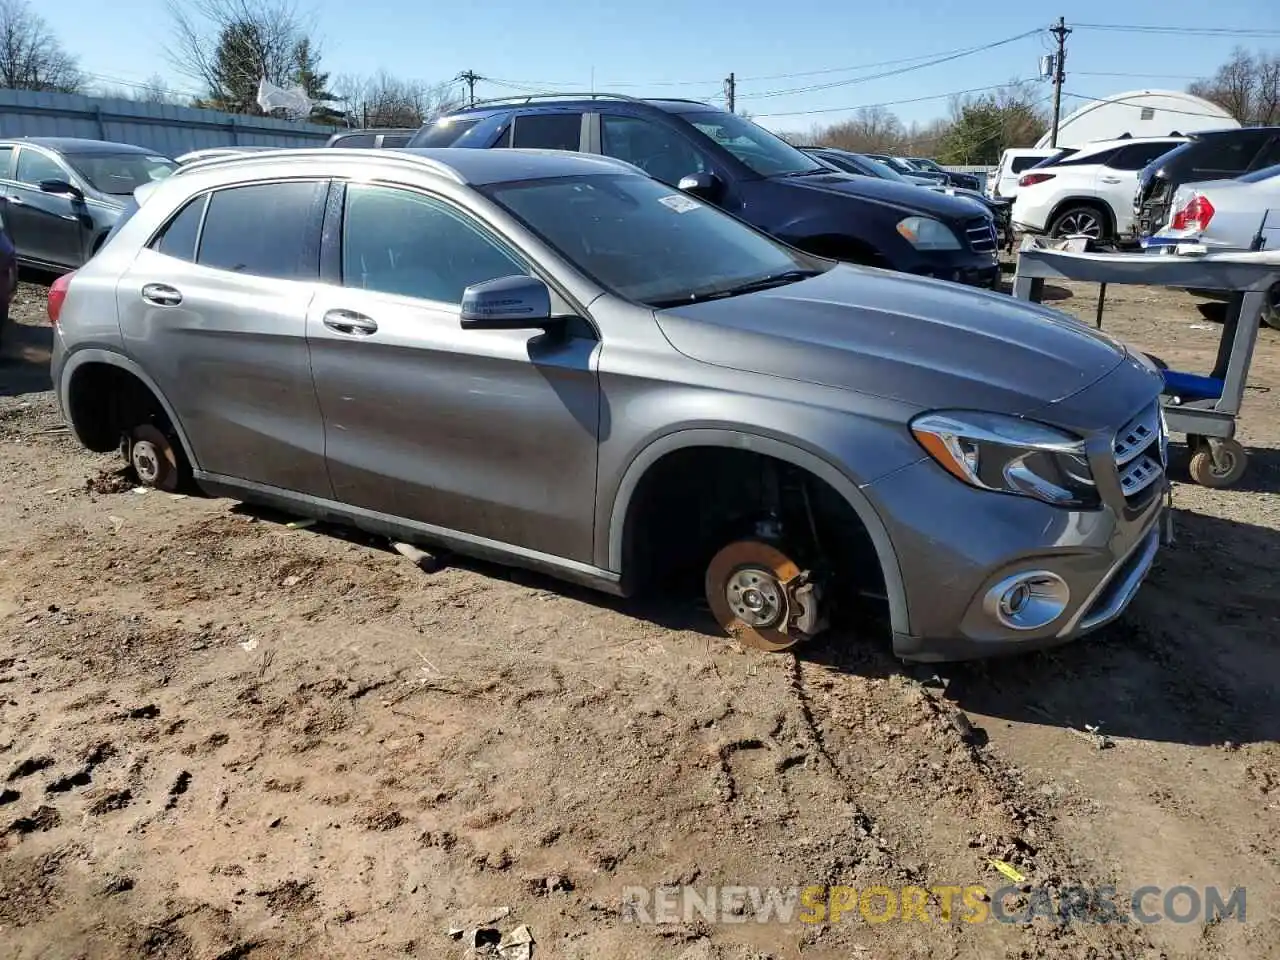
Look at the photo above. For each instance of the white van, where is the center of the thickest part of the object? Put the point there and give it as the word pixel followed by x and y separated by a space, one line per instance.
pixel 1003 182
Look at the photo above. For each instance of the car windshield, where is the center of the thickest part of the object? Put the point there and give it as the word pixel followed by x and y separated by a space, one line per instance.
pixel 648 242
pixel 1266 173
pixel 120 174
pixel 882 170
pixel 762 151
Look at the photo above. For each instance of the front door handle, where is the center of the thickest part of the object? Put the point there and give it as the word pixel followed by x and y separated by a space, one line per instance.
pixel 17 201
pixel 1112 180
pixel 348 321
pixel 161 294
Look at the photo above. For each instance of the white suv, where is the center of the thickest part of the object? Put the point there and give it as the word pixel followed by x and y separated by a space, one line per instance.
pixel 1088 191
pixel 1003 182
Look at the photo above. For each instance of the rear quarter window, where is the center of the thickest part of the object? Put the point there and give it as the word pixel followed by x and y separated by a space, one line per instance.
pixel 444 132
pixel 177 238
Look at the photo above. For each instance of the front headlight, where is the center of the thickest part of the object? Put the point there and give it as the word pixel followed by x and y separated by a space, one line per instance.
pixel 925 233
pixel 995 452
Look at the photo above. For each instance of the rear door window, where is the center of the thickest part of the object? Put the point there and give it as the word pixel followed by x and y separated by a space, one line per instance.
pixel 6 162
pixel 547 131
pixel 267 230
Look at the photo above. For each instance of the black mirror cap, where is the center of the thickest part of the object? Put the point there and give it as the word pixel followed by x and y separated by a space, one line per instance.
pixel 705 185
pixel 62 188
pixel 508 303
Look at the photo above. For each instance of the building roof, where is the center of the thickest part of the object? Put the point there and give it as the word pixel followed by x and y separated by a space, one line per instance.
pixel 1139 113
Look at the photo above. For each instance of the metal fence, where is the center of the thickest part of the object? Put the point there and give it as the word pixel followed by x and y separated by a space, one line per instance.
pixel 162 127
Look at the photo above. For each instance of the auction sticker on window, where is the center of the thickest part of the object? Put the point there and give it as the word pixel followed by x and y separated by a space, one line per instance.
pixel 679 203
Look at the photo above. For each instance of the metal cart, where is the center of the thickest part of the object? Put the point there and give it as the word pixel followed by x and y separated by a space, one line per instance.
pixel 1203 408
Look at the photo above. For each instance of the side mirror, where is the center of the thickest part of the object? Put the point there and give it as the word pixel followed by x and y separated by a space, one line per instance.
pixel 61 188
pixel 508 303
pixel 704 185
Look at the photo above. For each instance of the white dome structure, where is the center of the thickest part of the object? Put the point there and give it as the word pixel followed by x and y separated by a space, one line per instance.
pixel 1140 113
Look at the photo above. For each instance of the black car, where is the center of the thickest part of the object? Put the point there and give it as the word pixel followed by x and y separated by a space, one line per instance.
pixel 1213 155
pixel 727 160
pixel 60 196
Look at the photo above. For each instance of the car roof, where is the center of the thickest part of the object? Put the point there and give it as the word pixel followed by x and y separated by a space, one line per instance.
pixel 461 165
pixel 77 145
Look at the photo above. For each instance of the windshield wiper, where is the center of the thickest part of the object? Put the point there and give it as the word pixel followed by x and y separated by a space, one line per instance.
pixel 751 286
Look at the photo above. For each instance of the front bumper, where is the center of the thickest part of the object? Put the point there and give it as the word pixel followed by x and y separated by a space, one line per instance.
pixel 962 542
pixel 966 267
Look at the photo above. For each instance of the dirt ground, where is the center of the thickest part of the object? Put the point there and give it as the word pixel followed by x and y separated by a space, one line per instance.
pixel 222 737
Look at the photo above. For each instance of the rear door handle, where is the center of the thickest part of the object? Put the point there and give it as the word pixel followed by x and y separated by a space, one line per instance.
pixel 17 201
pixel 161 295
pixel 350 322
pixel 1112 180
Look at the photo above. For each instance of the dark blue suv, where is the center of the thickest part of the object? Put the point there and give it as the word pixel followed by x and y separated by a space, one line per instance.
pixel 728 160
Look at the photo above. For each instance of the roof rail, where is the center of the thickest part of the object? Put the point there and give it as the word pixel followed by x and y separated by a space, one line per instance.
pixel 347 154
pixel 530 97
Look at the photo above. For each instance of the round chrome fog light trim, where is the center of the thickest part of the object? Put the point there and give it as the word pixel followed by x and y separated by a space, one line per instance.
pixel 1028 601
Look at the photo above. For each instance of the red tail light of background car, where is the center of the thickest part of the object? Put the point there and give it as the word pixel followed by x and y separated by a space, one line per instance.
pixel 1031 179
pixel 57 295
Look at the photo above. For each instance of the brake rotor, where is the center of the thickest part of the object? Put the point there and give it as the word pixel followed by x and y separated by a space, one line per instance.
pixel 153 458
pixel 749 588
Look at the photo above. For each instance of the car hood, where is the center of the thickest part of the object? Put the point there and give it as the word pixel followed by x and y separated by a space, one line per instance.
pixel 907 197
pixel 922 342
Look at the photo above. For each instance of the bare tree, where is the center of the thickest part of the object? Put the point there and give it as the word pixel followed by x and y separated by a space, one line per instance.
pixel 227 46
pixel 387 101
pixel 1247 86
pixel 872 130
pixel 31 57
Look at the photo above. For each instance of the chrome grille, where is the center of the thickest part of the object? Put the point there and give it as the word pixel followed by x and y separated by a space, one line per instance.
pixel 1139 450
pixel 981 234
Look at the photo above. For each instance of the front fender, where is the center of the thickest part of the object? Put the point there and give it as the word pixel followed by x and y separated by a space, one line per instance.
pixel 65 376
pixel 768 446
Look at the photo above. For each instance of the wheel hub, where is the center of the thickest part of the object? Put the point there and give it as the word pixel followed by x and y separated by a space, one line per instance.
pixel 146 461
pixel 755 596
pixel 760 597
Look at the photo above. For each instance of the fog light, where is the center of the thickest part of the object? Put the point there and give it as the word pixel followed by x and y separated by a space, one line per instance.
pixel 1028 601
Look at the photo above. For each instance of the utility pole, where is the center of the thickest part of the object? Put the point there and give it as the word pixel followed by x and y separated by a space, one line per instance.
pixel 730 88
pixel 470 77
pixel 1060 30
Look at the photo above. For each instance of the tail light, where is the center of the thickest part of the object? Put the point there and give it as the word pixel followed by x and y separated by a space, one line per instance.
pixel 58 295
pixel 1031 179
pixel 1195 216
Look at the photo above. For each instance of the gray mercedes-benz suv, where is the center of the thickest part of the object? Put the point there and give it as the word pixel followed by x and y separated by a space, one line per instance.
pixel 557 362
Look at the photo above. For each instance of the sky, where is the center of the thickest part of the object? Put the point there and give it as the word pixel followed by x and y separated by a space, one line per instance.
pixel 796 66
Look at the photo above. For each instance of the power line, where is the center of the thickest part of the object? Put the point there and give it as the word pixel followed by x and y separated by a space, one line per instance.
pixel 1181 31
pixel 1140 76
pixel 968 51
pixel 940 57
pixel 862 66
